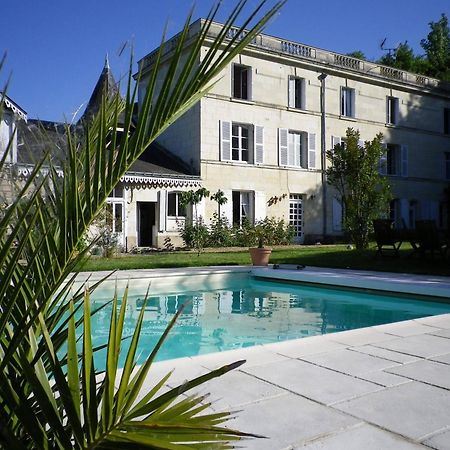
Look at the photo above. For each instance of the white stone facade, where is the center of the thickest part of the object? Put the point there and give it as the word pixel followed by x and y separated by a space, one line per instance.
pixel 271 141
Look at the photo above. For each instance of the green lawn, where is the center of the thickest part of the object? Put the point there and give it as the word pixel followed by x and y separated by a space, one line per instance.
pixel 319 255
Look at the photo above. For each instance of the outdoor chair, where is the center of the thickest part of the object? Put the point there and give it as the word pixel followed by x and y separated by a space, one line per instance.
pixel 429 239
pixel 386 236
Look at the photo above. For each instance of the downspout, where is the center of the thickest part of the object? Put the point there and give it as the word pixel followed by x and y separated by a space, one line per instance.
pixel 323 155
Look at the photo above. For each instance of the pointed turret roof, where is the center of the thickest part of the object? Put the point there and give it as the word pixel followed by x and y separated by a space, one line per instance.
pixel 106 85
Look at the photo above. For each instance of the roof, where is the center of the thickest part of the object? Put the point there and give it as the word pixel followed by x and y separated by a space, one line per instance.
pixel 106 85
pixel 37 137
pixel 13 106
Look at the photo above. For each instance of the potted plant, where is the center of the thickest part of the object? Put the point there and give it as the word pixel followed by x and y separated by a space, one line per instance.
pixel 260 255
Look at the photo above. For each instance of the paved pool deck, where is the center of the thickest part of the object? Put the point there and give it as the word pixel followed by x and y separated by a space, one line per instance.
pixel 383 387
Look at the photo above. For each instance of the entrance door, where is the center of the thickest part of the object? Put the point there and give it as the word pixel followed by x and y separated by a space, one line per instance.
pixel 296 216
pixel 146 222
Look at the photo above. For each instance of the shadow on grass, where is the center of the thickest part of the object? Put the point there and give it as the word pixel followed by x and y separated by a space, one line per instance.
pixel 367 260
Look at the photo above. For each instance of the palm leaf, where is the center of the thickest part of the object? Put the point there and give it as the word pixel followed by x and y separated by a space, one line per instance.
pixel 50 400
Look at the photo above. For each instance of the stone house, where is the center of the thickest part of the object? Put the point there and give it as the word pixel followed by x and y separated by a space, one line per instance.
pixel 262 133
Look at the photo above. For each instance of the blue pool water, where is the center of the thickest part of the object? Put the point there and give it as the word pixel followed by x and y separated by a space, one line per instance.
pixel 245 311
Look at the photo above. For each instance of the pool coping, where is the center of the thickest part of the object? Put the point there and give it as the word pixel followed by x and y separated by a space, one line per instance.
pixel 424 285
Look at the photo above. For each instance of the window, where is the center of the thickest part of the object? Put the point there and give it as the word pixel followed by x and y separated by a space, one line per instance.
pixel 296 215
pixel 392 110
pixel 174 207
pixel 241 82
pixel 447 165
pixel 296 149
pixel 241 142
pixel 446 120
pixel 347 102
pixel 242 207
pixel 296 94
pixel 395 160
pixel 115 217
pixel 117 192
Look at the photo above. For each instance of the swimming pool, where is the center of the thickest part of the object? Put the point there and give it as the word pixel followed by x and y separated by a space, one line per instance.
pixel 245 311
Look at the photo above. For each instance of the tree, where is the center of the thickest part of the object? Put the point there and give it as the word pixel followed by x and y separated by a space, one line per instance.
pixel 52 395
pixel 220 199
pixel 358 54
pixel 437 48
pixel 403 58
pixel 363 193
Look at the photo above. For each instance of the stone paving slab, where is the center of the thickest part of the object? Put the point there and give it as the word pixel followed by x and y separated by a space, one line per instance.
pixel 363 436
pixel 322 385
pixel 384 378
pixel 359 337
pixel 413 410
pixel 441 321
pixel 440 441
pixel 406 328
pixel 350 363
pixel 424 346
pixel 384 354
pixel 236 389
pixel 445 359
pixel 302 347
pixel 430 372
pixel 256 355
pixel 441 333
pixel 288 420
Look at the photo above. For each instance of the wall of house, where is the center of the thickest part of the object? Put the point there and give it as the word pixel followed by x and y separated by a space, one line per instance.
pixel 419 131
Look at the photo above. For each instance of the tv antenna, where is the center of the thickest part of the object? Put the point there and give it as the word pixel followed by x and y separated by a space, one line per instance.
pixel 389 50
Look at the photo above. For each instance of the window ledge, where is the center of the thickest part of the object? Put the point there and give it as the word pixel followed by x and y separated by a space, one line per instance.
pixel 297 110
pixel 241 100
pixel 391 125
pixel 349 118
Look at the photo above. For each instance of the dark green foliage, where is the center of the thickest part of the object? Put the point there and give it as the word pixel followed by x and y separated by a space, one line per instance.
pixel 358 54
pixel 219 234
pixel 437 48
pixel 364 194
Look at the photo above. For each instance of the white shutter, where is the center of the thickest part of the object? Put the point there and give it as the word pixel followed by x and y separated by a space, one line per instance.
pixel 404 159
pixel 311 150
pixel 383 161
pixel 260 205
pixel 259 144
pixel 162 200
pixel 337 215
pixel 282 146
pixel 404 213
pixel 225 140
pixel 388 112
pixel 201 210
pixel 397 111
pixel 352 99
pixel 226 210
pixel 291 92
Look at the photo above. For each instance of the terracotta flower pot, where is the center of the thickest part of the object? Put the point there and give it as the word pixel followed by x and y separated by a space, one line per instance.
pixel 260 256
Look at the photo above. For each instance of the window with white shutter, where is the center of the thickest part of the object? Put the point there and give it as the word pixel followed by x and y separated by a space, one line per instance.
pixel 404 160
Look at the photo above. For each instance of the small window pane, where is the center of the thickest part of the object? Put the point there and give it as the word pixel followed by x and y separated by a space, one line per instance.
pixel 172 204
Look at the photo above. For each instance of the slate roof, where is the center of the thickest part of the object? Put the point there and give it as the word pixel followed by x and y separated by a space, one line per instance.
pixel 106 85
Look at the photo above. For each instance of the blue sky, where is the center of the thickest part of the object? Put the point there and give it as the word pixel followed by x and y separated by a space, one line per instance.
pixel 56 48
